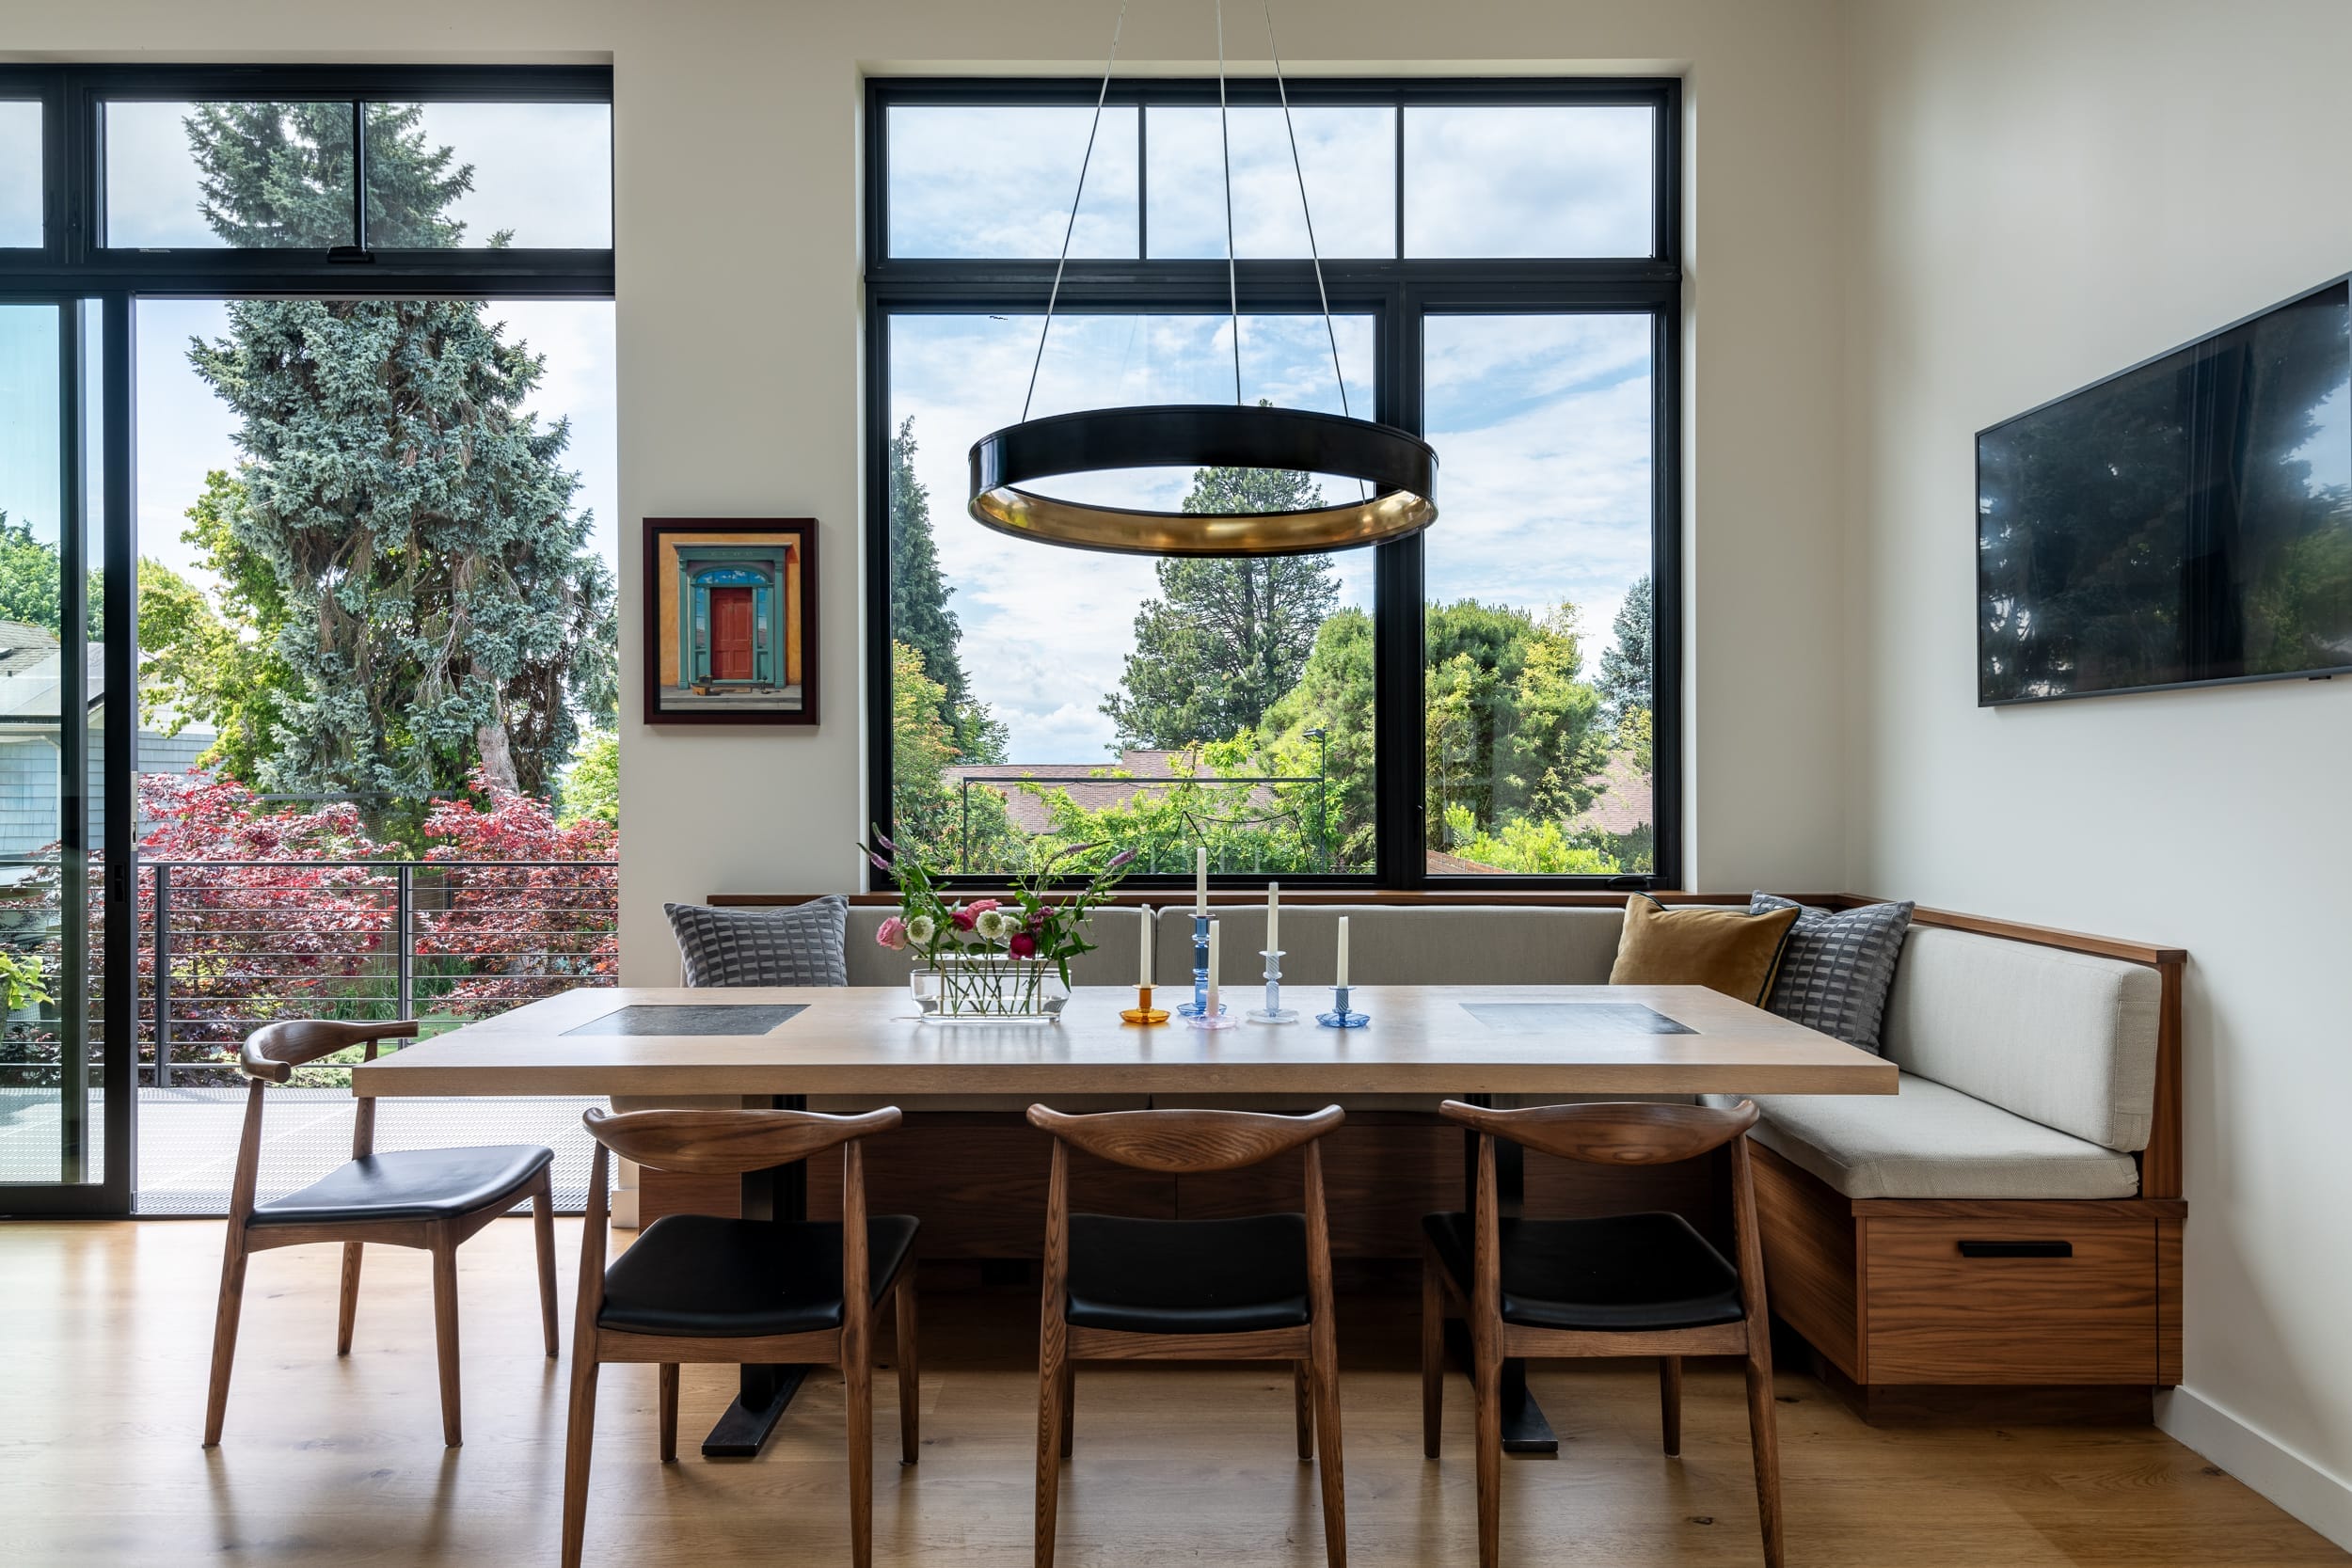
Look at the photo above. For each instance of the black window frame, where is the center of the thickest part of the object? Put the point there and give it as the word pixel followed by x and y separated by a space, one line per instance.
pixel 70 269
pixel 1399 294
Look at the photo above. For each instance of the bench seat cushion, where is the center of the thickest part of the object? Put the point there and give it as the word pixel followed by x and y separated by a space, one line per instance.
pixel 1930 1141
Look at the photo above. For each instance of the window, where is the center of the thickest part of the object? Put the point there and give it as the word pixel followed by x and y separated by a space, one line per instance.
pixel 217 282
pixel 20 173
pixel 1495 700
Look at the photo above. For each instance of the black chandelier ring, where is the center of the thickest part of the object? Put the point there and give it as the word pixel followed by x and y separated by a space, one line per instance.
pixel 1400 468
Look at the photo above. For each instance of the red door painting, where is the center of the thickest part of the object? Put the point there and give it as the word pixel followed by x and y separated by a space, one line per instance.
pixel 731 653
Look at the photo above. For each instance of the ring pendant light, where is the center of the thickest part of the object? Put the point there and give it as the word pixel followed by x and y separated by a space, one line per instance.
pixel 1396 470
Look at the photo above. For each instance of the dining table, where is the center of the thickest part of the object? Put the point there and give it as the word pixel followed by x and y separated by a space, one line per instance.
pixel 779 1045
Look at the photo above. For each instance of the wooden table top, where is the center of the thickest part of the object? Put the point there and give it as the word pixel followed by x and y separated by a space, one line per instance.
pixel 1421 1040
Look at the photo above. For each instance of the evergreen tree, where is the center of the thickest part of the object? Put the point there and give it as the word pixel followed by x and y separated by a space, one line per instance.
pixel 439 605
pixel 1625 682
pixel 919 617
pixel 1226 639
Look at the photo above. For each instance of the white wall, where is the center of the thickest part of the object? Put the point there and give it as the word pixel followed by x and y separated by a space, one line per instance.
pixel 737 129
pixel 2049 191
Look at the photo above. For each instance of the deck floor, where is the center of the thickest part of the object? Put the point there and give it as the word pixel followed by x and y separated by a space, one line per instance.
pixel 340 1463
pixel 187 1139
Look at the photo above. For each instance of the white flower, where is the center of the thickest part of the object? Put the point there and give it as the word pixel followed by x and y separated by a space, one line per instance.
pixel 990 926
pixel 921 930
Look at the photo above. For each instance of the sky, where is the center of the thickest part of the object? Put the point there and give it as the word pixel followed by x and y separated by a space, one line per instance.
pixel 1541 423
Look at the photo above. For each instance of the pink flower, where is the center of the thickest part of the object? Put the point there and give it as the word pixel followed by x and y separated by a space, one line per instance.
pixel 892 933
pixel 965 915
pixel 1024 945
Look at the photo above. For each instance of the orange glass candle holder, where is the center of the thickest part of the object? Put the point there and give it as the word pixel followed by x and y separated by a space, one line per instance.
pixel 1143 1012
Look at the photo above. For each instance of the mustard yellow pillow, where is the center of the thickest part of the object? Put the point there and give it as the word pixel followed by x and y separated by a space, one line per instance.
pixel 1720 946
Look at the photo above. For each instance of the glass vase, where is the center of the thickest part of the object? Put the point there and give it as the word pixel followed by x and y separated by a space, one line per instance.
pixel 979 987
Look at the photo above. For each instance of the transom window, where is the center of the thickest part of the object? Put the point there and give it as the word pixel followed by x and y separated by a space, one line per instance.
pixel 1494 702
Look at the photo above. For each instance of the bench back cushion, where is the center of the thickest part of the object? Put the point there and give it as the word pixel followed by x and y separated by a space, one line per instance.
pixel 1113 931
pixel 1394 946
pixel 2067 1039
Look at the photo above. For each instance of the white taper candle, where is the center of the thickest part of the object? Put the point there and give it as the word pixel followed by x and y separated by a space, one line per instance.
pixel 1143 957
pixel 1213 925
pixel 1201 881
pixel 1274 917
pixel 1343 975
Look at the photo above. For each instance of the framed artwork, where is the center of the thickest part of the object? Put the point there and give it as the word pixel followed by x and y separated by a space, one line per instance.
pixel 730 624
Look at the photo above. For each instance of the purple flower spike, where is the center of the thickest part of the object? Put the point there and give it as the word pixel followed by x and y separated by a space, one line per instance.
pixel 1120 859
pixel 880 864
pixel 883 839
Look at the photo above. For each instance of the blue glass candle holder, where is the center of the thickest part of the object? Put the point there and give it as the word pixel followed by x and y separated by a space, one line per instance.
pixel 1199 1002
pixel 1273 1012
pixel 1339 1017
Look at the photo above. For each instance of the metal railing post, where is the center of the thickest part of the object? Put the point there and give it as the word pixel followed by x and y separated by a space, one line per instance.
pixel 404 918
pixel 163 975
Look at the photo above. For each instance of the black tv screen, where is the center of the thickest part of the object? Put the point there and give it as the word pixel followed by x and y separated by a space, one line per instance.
pixel 2187 521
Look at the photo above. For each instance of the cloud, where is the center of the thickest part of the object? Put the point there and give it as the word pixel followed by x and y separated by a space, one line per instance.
pixel 1553 179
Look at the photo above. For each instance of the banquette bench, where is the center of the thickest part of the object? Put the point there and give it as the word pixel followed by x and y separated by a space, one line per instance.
pixel 2012 1217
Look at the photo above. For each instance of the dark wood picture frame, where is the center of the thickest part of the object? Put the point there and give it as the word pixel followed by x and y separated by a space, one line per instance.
pixel 759 575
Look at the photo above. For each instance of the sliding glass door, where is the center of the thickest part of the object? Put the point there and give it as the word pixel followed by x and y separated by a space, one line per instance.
pixel 65 1079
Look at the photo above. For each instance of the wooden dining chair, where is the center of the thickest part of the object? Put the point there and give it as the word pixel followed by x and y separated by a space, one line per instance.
pixel 1622 1284
pixel 433 1199
pixel 1256 1289
pixel 697 1287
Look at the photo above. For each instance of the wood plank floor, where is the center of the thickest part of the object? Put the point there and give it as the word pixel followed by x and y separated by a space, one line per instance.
pixel 339 1461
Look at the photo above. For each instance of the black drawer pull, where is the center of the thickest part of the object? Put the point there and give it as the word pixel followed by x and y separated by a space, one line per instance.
pixel 2017 1249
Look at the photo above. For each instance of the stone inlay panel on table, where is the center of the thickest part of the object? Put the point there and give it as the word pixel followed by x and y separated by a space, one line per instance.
pixel 1599 1018
pixel 748 1018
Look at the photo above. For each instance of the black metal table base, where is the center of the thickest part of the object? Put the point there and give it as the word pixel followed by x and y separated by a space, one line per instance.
pixel 746 1423
pixel 1525 1428
pixel 778 1193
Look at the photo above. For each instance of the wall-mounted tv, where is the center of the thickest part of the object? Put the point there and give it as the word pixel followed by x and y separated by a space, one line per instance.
pixel 2187 521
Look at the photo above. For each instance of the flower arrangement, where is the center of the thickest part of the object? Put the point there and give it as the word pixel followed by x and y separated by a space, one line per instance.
pixel 1033 922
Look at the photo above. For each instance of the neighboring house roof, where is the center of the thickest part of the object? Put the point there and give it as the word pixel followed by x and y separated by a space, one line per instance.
pixel 1091 786
pixel 1625 804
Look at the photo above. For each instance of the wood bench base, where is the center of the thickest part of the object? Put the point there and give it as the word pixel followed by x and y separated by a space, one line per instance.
pixel 2073 1293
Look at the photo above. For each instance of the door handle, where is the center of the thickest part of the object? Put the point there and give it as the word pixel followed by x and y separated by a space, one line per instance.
pixel 2017 1249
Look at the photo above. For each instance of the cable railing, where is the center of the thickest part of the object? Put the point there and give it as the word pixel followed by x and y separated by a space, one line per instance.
pixel 227 946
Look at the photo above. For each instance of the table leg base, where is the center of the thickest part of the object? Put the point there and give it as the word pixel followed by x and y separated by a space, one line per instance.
pixel 744 1429
pixel 1525 1429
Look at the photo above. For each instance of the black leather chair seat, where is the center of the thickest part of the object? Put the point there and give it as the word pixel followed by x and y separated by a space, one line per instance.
pixel 410 1184
pixel 1188 1276
pixel 697 1274
pixel 1622 1272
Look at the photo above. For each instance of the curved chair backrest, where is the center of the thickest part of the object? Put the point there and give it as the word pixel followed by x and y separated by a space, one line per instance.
pixel 1624 1133
pixel 728 1143
pixel 273 1052
pixel 1184 1142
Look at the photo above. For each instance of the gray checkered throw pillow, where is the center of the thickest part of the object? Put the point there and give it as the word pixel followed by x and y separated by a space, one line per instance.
pixel 1839 966
pixel 797 946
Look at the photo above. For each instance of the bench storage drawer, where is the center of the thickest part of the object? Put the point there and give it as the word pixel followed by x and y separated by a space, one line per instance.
pixel 2008 1296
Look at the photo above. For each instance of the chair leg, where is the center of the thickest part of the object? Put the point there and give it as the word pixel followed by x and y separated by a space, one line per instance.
pixel 543 1224
pixel 857 1377
pixel 1432 1355
pixel 1670 1402
pixel 1486 1378
pixel 1323 1339
pixel 1069 1406
pixel 669 1412
pixel 225 1332
pixel 1302 1390
pixel 1764 1436
pixel 1051 1386
pixel 910 1374
pixel 445 1333
pixel 579 1435
pixel 347 1309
